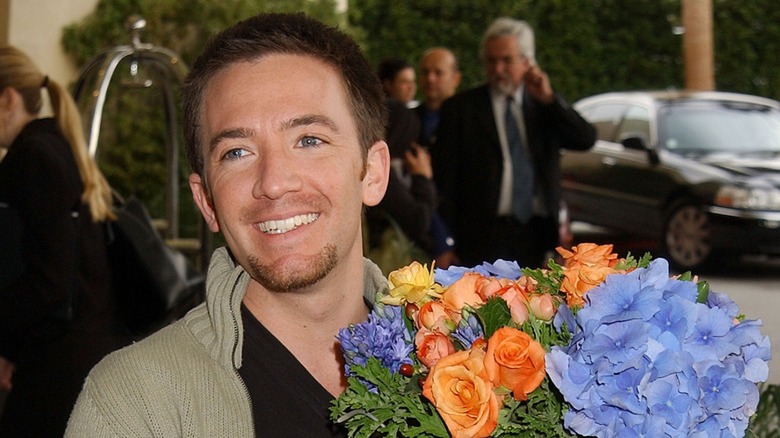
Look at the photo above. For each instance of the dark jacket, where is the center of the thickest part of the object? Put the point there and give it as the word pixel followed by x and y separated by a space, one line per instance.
pixel 468 163
pixel 411 204
pixel 65 269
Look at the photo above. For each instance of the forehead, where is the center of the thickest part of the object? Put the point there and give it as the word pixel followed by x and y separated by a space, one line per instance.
pixel 404 73
pixel 437 59
pixel 272 88
pixel 502 45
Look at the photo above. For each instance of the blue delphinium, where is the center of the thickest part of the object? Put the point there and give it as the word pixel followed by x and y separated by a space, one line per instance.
pixel 383 336
pixel 647 359
pixel 468 330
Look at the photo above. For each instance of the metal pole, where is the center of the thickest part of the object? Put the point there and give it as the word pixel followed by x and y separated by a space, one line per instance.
pixel 697 45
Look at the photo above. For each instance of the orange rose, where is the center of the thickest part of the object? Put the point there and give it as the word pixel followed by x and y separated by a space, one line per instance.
pixel 588 254
pixel 542 306
pixel 433 316
pixel 586 266
pixel 489 286
pixel 526 284
pixel 461 293
pixel 432 346
pixel 576 282
pixel 459 389
pixel 513 292
pixel 515 361
pixel 517 301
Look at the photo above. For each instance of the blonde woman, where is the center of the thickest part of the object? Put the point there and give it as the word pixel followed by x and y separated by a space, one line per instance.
pixel 56 317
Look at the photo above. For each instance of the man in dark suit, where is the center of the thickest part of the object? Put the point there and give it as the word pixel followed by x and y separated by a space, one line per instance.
pixel 497 155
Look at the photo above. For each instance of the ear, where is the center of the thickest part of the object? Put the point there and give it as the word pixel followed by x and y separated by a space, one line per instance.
pixel 377 174
pixel 6 97
pixel 457 79
pixel 201 196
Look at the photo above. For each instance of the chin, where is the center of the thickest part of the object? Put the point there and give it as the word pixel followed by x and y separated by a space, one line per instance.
pixel 293 275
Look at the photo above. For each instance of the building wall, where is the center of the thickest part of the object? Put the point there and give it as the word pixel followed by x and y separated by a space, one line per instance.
pixel 35 26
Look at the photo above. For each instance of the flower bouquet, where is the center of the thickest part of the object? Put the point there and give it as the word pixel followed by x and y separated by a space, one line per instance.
pixel 598 346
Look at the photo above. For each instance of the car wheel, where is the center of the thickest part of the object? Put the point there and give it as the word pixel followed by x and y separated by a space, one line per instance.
pixel 687 236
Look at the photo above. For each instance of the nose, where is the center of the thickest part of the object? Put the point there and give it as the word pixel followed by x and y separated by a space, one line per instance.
pixel 277 174
pixel 498 66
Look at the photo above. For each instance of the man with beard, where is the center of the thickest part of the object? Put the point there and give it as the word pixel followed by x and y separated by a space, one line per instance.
pixel 284 127
pixel 496 156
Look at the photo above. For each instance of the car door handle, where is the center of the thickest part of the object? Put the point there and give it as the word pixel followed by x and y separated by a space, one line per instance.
pixel 609 161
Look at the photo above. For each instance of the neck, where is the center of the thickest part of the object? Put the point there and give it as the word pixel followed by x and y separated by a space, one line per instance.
pixel 307 321
pixel 433 105
pixel 18 121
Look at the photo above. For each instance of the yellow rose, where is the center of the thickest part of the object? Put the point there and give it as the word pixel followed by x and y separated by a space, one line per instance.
pixel 459 389
pixel 411 284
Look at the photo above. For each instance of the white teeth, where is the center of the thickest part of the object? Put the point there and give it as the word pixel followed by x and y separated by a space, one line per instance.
pixel 284 225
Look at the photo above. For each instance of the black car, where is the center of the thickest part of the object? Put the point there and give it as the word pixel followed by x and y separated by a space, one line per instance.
pixel 698 171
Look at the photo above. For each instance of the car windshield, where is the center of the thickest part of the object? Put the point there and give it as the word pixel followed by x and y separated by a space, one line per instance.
pixel 705 127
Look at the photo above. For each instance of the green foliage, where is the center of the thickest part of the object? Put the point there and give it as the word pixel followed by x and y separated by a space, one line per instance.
pixel 588 46
pixel 585 46
pixel 396 410
pixel 747 46
pixel 180 26
pixel 548 281
pixel 541 416
pixel 630 262
pixel 493 315
pixel 765 423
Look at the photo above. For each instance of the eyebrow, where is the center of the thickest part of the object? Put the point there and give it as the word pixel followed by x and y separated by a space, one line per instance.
pixel 310 119
pixel 230 133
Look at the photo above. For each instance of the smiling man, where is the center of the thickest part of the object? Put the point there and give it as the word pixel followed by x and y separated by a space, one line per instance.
pixel 284 135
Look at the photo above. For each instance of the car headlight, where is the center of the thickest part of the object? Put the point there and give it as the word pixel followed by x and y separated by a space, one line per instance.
pixel 748 198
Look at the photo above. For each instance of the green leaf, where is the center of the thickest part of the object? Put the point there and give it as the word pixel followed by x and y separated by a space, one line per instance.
pixel 548 280
pixel 704 291
pixel 494 314
pixel 541 416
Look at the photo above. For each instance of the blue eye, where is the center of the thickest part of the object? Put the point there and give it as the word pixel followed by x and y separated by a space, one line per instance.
pixel 310 142
pixel 234 154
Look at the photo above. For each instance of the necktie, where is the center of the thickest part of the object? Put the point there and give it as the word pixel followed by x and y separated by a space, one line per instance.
pixel 522 171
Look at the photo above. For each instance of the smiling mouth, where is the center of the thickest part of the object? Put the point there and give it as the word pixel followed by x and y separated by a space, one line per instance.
pixel 284 225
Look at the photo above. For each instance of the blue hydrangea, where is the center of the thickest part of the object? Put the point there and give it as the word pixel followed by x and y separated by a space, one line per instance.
pixel 646 359
pixel 500 268
pixel 383 336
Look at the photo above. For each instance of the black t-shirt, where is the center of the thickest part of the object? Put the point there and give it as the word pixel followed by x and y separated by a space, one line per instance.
pixel 286 400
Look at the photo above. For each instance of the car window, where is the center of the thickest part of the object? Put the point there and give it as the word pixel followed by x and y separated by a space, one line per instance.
pixel 605 118
pixel 636 123
pixel 720 127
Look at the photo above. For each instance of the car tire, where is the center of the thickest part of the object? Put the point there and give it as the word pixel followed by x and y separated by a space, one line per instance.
pixel 686 239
